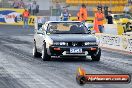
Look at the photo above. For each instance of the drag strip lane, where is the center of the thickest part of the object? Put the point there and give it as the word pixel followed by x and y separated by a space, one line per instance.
pixel 104 64
pixel 99 67
pixel 66 67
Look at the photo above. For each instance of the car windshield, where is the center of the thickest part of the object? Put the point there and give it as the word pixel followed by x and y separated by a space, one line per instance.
pixel 67 28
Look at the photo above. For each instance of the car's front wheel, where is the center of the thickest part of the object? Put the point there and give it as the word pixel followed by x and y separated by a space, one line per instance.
pixel 45 56
pixel 96 56
pixel 35 53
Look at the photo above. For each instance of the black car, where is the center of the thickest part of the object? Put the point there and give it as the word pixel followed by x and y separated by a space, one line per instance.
pixel 65 38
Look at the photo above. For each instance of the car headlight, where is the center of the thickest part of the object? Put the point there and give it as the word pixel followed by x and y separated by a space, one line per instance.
pixel 60 43
pixel 56 43
pixel 90 43
pixel 87 43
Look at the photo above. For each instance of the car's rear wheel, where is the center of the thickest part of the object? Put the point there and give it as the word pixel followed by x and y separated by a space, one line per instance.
pixel 45 56
pixel 96 56
pixel 35 53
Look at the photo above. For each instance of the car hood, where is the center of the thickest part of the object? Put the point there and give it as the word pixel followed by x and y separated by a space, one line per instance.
pixel 72 37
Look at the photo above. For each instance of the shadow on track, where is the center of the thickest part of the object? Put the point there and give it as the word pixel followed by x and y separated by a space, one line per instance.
pixel 68 59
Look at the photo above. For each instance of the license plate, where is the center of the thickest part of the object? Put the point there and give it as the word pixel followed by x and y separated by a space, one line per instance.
pixel 75 50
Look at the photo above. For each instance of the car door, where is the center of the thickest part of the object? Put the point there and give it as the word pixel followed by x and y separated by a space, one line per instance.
pixel 38 36
pixel 42 35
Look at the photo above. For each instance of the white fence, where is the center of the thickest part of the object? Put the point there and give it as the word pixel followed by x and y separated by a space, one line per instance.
pixel 118 42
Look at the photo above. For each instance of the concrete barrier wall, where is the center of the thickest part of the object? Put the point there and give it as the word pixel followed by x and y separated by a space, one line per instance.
pixel 118 42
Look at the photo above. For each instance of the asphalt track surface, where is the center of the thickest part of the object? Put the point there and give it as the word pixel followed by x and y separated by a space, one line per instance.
pixel 18 68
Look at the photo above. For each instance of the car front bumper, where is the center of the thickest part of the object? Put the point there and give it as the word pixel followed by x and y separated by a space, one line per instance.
pixel 65 50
